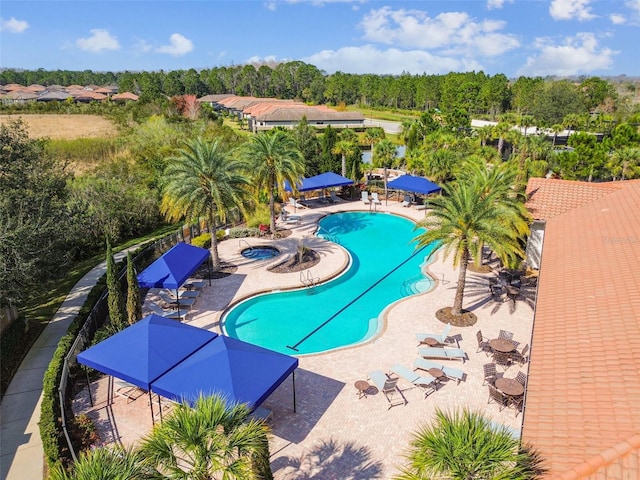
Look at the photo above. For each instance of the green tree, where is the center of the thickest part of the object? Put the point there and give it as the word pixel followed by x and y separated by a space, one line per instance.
pixel 372 136
pixel 345 149
pixel 115 302
pixel 204 180
pixel 210 440
pixel 134 303
pixel 463 446
pixel 273 159
pixel 306 140
pixel 385 154
pixel 105 464
pixel 34 220
pixel 465 219
pixel 624 163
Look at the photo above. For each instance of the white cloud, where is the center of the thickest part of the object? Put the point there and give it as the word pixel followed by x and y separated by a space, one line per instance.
pixel 497 4
pixel 570 9
pixel 142 46
pixel 178 46
pixel 13 26
pixel 449 30
pixel 369 59
pixel 577 55
pixel 634 5
pixel 100 39
pixel 617 19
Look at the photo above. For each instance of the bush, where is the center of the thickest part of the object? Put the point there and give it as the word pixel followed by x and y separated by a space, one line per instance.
pixel 204 240
pixel 243 232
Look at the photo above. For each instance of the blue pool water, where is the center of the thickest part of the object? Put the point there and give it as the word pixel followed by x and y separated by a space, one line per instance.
pixel 260 253
pixel 385 267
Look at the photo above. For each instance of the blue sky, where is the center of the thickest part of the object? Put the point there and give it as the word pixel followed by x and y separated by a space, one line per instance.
pixel 514 37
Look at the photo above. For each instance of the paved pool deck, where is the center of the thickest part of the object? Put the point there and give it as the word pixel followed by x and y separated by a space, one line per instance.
pixel 334 434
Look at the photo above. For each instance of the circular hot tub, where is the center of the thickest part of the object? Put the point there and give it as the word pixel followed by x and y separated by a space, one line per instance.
pixel 260 253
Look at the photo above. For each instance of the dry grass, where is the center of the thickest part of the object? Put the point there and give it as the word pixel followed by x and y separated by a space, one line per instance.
pixel 66 127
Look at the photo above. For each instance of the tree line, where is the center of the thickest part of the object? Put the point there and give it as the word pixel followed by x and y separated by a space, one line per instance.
pixel 478 94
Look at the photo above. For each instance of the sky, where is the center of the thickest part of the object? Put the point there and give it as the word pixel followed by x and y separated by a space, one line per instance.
pixel 512 37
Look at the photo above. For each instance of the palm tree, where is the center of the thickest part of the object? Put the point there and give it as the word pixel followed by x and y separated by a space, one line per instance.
pixel 501 130
pixel 274 159
pixel 345 149
pixel 204 180
pixel 385 155
pixel 465 219
pixel 372 136
pixel 105 464
pixel 624 163
pixel 464 445
pixel 484 134
pixel 210 440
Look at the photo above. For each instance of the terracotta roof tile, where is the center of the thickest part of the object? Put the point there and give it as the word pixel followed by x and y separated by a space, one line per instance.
pixel 584 375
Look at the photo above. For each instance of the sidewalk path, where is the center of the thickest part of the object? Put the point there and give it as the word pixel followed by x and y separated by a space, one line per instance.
pixel 22 455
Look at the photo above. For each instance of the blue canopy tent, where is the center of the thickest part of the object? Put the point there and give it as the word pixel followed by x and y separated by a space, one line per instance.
pixel 239 371
pixel 146 350
pixel 410 183
pixel 173 268
pixel 319 182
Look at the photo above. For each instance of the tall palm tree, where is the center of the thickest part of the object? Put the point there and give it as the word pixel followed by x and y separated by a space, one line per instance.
pixel 385 155
pixel 345 148
pixel 501 130
pixel 372 136
pixel 462 221
pixel 105 464
pixel 463 446
pixel 210 440
pixel 274 159
pixel 624 163
pixel 204 180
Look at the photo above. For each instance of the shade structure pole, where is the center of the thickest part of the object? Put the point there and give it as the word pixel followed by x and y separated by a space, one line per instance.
pixel 86 372
pixel 178 303
pixel 153 420
pixel 293 376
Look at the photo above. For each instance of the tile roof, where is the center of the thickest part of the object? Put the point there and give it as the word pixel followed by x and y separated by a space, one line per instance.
pixel 551 197
pixel 583 393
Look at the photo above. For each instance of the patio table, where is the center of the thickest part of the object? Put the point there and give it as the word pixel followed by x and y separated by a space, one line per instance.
pixel 509 386
pixel 502 345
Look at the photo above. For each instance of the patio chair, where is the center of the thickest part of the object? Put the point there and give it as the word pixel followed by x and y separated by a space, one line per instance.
pixel 498 397
pixel 388 387
pixel 443 353
pixel 505 334
pixel 440 337
pixel 426 382
pixel 521 378
pixel 407 201
pixel 296 204
pixel 172 314
pixel 483 344
pixel 490 373
pixel 333 198
pixel 195 285
pixel 365 198
pixel 126 390
pixel 516 403
pixel 174 302
pixel 289 219
pixel 502 359
pixel 521 356
pixel 375 199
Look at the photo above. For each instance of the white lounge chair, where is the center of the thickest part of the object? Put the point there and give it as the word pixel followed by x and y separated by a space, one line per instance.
pixel 333 198
pixel 365 198
pixel 296 204
pixel 172 314
pixel 183 294
pixel 440 337
pixel 443 353
pixel 388 387
pixel 449 372
pixel 426 382
pixel 375 199
pixel 195 284
pixel 407 201
pixel 174 302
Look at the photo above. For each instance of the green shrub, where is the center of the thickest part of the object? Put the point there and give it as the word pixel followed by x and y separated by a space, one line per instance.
pixel 204 240
pixel 243 232
pixel 259 217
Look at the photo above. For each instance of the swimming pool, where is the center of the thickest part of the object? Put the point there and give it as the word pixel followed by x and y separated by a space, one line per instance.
pixel 385 267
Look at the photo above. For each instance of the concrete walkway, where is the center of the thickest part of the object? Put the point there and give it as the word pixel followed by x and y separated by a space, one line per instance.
pixel 22 453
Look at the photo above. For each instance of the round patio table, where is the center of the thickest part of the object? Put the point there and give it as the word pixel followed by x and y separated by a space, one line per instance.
pixel 502 345
pixel 510 386
pixel 362 386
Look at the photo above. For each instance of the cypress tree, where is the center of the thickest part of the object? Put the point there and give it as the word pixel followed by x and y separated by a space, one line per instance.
pixel 114 293
pixel 134 304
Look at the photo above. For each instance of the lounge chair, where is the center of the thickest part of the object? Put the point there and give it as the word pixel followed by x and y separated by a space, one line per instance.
pixel 289 219
pixel 388 387
pixel 182 295
pixel 172 314
pixel 426 382
pixel 262 414
pixel 174 302
pixel 126 390
pixel 440 337
pixel 449 372
pixel 407 201
pixel 365 198
pixel 375 199
pixel 333 198
pixel 195 285
pixel 296 204
pixel 443 353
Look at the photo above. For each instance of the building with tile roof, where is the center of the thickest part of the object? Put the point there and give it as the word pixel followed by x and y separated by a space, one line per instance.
pixel 582 409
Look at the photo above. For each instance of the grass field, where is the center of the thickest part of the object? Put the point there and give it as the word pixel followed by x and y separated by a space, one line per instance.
pixel 65 127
